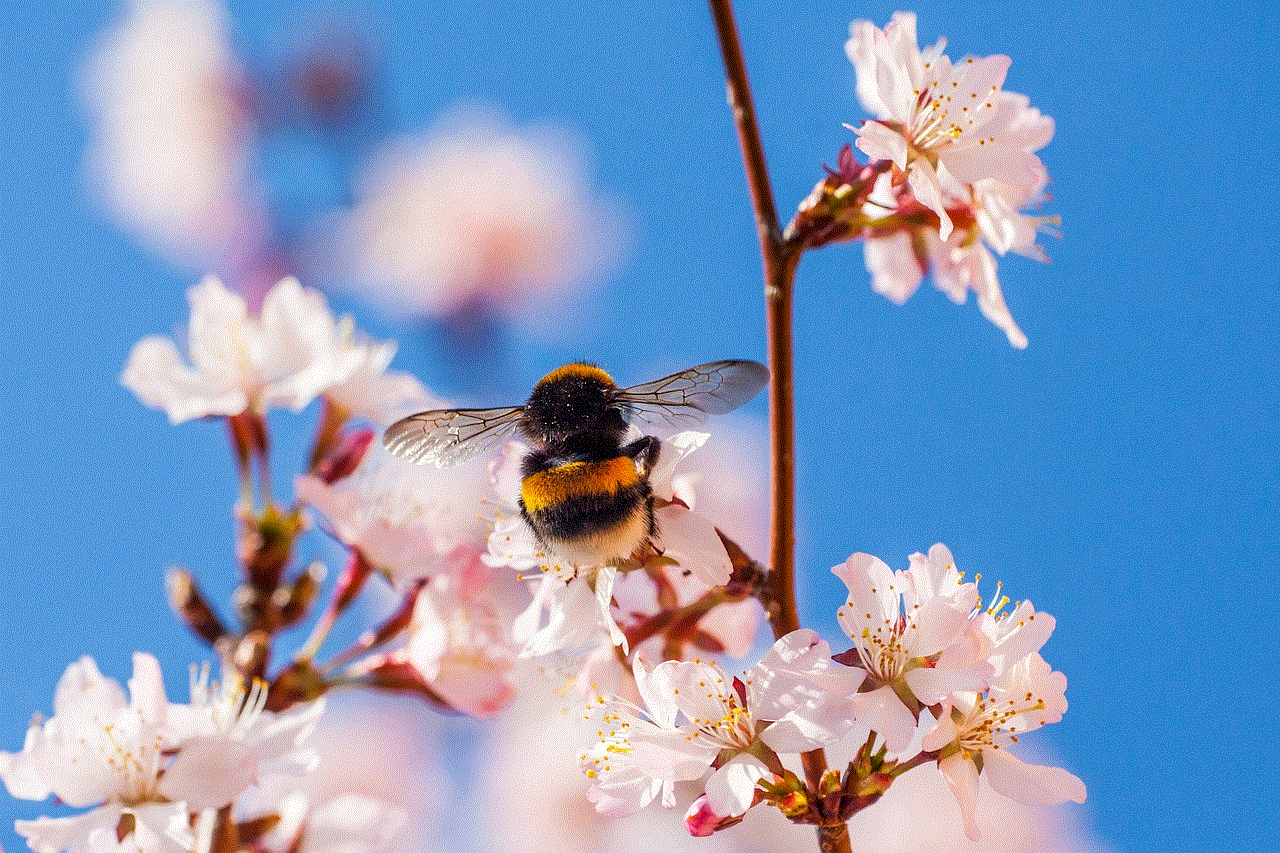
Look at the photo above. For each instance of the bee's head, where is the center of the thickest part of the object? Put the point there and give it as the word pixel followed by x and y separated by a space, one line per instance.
pixel 574 404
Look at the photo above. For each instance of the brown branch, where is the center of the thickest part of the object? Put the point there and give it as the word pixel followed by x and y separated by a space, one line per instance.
pixel 779 272
pixel 780 260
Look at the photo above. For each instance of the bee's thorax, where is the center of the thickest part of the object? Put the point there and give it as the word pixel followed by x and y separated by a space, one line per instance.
pixel 572 410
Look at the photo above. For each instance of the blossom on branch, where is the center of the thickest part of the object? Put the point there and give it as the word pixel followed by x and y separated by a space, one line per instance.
pixel 947 126
pixel 145 764
pixel 975 730
pixel 287 355
pixel 911 636
pixel 952 165
pixel 695 717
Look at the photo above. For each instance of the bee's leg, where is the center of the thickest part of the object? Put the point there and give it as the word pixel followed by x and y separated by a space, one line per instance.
pixel 645 452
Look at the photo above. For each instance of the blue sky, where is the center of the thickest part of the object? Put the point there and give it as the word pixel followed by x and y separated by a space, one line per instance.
pixel 1121 472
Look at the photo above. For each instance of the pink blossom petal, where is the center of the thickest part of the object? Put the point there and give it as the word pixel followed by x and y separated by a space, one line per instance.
pixel 962 777
pixel 692 541
pixel 1030 784
pixel 209 772
pixel 731 789
pixel 882 711
pixel 895 270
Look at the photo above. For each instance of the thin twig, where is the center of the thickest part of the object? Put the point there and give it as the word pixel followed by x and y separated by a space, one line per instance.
pixel 779 272
pixel 779 259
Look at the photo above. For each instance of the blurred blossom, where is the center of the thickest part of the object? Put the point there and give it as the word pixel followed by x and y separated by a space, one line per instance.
pixel 375 786
pixel 406 520
pixel 170 143
pixel 475 213
pixel 458 644
pixel 293 350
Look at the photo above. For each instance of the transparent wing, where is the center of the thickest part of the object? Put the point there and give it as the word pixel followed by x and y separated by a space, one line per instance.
pixel 448 437
pixel 687 397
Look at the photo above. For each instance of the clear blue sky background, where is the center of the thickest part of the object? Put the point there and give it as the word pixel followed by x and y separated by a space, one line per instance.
pixel 1121 472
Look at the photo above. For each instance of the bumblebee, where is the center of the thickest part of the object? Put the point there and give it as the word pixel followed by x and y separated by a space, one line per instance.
pixel 584 489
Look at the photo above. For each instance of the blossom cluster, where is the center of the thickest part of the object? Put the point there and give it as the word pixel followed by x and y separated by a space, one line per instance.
pixel 473 598
pixel 932 675
pixel 146 766
pixel 952 165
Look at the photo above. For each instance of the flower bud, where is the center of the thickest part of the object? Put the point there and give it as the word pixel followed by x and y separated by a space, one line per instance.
pixel 190 605
pixel 294 602
pixel 298 682
pixel 344 456
pixel 701 821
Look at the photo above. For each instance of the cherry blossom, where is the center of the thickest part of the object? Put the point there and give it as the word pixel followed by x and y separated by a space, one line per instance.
pixel 910 636
pixel 170 143
pixel 695 717
pixel 287 355
pixel 458 644
pixel 144 764
pixel 975 730
pixel 474 211
pixel 946 125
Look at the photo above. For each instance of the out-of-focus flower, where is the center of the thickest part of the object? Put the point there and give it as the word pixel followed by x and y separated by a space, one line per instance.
pixel 909 631
pixel 458 644
pixel 287 355
pixel 145 764
pixel 170 142
pixel 696 717
pixel 975 730
pixel 406 520
pixel 475 212
pixel 374 787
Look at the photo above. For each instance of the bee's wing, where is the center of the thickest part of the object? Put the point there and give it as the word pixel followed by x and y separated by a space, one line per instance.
pixel 450 436
pixel 687 397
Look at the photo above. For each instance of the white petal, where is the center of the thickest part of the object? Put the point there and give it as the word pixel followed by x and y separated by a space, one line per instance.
pixel 884 713
pixel 56 834
pixel 146 688
pixel 1031 784
pixel 692 541
pixel 731 789
pixel 209 772
pixel 962 778
pixel 895 271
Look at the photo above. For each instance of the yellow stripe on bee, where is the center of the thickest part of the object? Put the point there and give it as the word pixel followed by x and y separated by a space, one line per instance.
pixel 577 370
pixel 554 486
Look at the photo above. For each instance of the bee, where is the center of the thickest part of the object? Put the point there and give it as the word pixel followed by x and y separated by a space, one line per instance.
pixel 584 490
